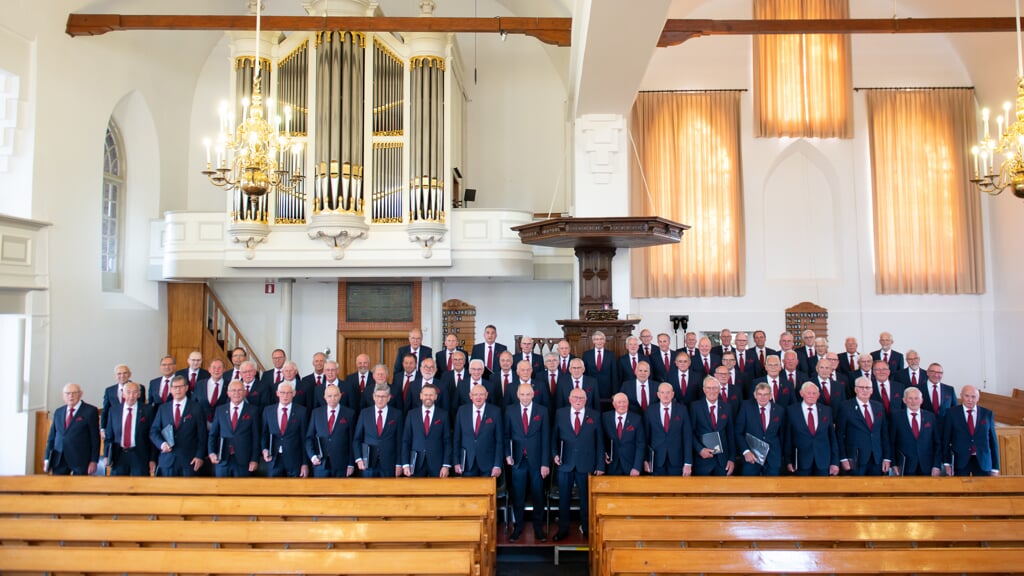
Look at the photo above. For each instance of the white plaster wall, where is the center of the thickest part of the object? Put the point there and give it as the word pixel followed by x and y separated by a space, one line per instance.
pixel 529 308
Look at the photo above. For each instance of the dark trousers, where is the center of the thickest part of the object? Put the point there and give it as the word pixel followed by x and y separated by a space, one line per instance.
pixel 565 484
pixel 232 467
pixel 130 462
pixel 527 479
pixel 60 467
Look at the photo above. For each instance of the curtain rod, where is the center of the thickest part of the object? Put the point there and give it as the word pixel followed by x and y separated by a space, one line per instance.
pixel 694 91
pixel 900 88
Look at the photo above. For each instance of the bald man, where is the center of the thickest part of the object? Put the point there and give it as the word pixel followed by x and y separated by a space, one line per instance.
pixel 73 445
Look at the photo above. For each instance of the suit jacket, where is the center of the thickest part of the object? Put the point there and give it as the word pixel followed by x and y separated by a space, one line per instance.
pixel 287 447
pixel 630 389
pixel 627 453
pixel 498 386
pixel 244 439
pixel 441 360
pixel 464 387
pixel 349 397
pixel 700 420
pixel 787 393
pixel 260 394
pixel 806 363
pixel 553 393
pixel 448 381
pixel 540 394
pixel 607 377
pixel 674 447
pixel 694 385
pixel 533 444
pixel 917 455
pixel 77 445
pixel 434 450
pixel 304 394
pixel 536 360
pixel 386 447
pixel 845 366
pixel 904 376
pixel 351 383
pixel 624 366
pixel 333 447
pixel 752 364
pixel 837 394
pixel 189 437
pixel 895 359
pixel 857 442
pixel 957 440
pixel 424 352
pixel 698 364
pixel 202 396
pixel 895 390
pixel 399 399
pixel 659 369
pixel 267 380
pixel 947 399
pixel 589 385
pixel 156 390
pixel 718 350
pixel 753 354
pixel 201 374
pixel 748 421
pixel 480 351
pixel 114 429
pixel 819 450
pixel 111 397
pixel 445 395
pixel 582 452
pixel 481 451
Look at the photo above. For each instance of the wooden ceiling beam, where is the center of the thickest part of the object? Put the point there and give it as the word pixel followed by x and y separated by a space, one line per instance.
pixel 556 31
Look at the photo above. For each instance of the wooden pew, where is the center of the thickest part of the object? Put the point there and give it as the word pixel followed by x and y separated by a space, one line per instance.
pixel 1007 410
pixel 799 525
pixel 360 514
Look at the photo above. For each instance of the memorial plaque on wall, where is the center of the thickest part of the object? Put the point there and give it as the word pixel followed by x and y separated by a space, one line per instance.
pixel 459 318
pixel 379 302
pixel 806 316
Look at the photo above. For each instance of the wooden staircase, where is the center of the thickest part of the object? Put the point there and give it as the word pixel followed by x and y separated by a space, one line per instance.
pixel 196 320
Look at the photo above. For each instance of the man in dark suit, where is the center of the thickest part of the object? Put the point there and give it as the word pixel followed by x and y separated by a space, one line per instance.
pixel 526 353
pixel 862 432
pixel 415 348
pixel 194 372
pixel 626 364
pixel 913 375
pixel 565 382
pixel 238 355
pixel 502 380
pixel 864 368
pixel 760 352
pixel 670 436
pixel 179 430
pixel 886 391
pixel 565 356
pixel 917 438
pixel 274 376
pixel 833 393
pixel 711 416
pixel 452 379
pixel 806 354
pixel 316 378
pixel 578 446
pixel 378 438
pixel 489 350
pixel 476 378
pixel 705 362
pixel 403 383
pixel 791 371
pixel 426 443
pixel 303 389
pixel 969 443
pixel 360 382
pixel 684 379
pixel 810 437
pixel 284 436
pixel 690 344
pixel 600 364
pixel 128 453
pixel 527 452
pixel 662 358
pixel 479 433
pixel 641 391
pixel 625 441
pixel 114 394
pixel 849 360
pixel 725 337
pixel 786 342
pixel 524 375
pixel 73 445
pixel 445 357
pixel 938 397
pixel 732 380
pixel 234 440
pixel 255 392
pixel 646 343
pixel 766 421
pixel 329 437
pixel 783 393
pixel 886 354
pixel 160 387
pixel 349 394
pixel 213 391
pixel 746 360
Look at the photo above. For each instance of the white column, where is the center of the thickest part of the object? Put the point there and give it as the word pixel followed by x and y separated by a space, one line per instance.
pixel 436 303
pixel 285 334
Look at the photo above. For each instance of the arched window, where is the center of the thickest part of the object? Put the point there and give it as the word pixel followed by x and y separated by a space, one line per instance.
pixel 112 222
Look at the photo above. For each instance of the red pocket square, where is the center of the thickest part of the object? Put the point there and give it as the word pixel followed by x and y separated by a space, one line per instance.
pixel 927 424
pixel 489 421
pixel 590 420
pixel 536 418
pixel 436 422
pixel 629 428
pixel 344 421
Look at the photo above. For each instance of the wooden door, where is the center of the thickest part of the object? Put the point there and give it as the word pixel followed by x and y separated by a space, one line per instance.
pixel 380 346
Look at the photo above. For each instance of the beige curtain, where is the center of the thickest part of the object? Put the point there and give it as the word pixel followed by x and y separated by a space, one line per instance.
pixel 927 217
pixel 802 82
pixel 688 147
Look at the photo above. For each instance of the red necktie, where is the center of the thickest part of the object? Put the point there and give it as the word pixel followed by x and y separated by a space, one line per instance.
pixel 405 387
pixel 234 419
pixel 599 360
pixel 775 389
pixel 760 358
pixel 633 361
pixel 852 362
pixel 707 366
pixel 565 367
pixel 725 390
pixel 913 425
pixel 791 378
pixel 618 428
pixel 683 383
pixel 810 421
pixel 643 396
pixel 970 422
pixel 505 387
pixel 126 441
pixel 666 424
pixel 476 426
pixel 71 415
pixel 192 381
pixel 166 389
pixel 665 356
pixel 553 384
pixel 714 420
pixel 526 421
pixel 284 419
pixel 828 395
pixel 318 382
pixel 867 417
pixel 177 415
pixel 380 422
pixel 458 379
pixel 935 398
pixel 741 361
pixel 885 357
pixel 362 383
pixel 237 376
pixel 277 376
pixel 216 393
pixel 121 392
pixel 576 425
pixel 426 422
pixel 913 378
pixel 330 422
pixel 449 361
pixel 490 356
pixel 885 396
pixel 764 420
